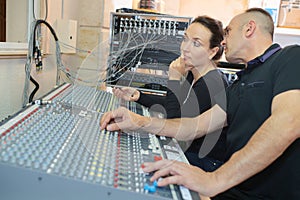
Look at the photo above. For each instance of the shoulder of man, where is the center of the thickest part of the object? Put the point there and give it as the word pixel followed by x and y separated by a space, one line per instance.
pixel 287 52
pixel 289 48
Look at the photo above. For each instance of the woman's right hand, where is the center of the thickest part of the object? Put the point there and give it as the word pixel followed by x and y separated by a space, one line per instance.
pixel 177 69
pixel 127 93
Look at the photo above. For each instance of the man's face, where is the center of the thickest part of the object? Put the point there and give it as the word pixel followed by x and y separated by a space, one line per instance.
pixel 233 41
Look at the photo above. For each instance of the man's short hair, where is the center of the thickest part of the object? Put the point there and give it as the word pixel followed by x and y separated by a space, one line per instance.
pixel 267 23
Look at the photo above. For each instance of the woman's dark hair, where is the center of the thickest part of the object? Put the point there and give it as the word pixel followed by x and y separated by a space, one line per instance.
pixel 217 33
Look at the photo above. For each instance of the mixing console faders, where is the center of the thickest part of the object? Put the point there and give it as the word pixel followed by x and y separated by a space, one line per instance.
pixel 57 151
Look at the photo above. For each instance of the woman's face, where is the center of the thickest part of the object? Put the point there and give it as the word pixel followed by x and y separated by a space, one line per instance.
pixel 195 46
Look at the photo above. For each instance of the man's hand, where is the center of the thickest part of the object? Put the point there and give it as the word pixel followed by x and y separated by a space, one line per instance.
pixel 180 173
pixel 122 119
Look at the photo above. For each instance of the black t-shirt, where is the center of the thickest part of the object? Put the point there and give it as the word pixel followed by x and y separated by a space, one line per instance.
pixel 154 102
pixel 249 105
pixel 189 100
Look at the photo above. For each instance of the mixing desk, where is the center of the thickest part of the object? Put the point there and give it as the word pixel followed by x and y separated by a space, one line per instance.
pixel 54 149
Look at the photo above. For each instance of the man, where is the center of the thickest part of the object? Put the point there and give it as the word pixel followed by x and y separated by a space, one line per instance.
pixel 262 115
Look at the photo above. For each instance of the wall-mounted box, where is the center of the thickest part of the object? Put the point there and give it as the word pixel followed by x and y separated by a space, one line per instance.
pixel 66 31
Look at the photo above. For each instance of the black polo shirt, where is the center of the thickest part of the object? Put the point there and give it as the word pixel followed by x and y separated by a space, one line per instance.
pixel 249 105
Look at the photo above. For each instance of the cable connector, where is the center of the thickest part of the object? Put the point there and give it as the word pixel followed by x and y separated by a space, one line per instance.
pixel 40 102
pixel 38 59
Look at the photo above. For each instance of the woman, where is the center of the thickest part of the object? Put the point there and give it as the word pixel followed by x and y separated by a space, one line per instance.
pixel 202 83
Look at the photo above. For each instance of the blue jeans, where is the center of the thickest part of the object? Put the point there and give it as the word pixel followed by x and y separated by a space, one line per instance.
pixel 207 164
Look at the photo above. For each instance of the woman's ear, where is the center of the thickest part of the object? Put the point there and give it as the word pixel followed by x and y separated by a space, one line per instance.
pixel 213 52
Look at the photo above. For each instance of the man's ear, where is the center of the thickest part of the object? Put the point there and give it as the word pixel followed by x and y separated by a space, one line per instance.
pixel 250 28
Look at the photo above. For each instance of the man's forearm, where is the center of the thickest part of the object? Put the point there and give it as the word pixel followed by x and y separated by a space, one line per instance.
pixel 186 128
pixel 181 128
pixel 266 145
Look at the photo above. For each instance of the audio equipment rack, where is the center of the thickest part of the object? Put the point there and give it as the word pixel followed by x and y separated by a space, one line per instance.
pixel 142 45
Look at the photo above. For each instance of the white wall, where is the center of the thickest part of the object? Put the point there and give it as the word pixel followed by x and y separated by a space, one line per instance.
pixel 286 36
pixel 16 13
pixel 222 10
pixel 11 82
pixel 12 79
